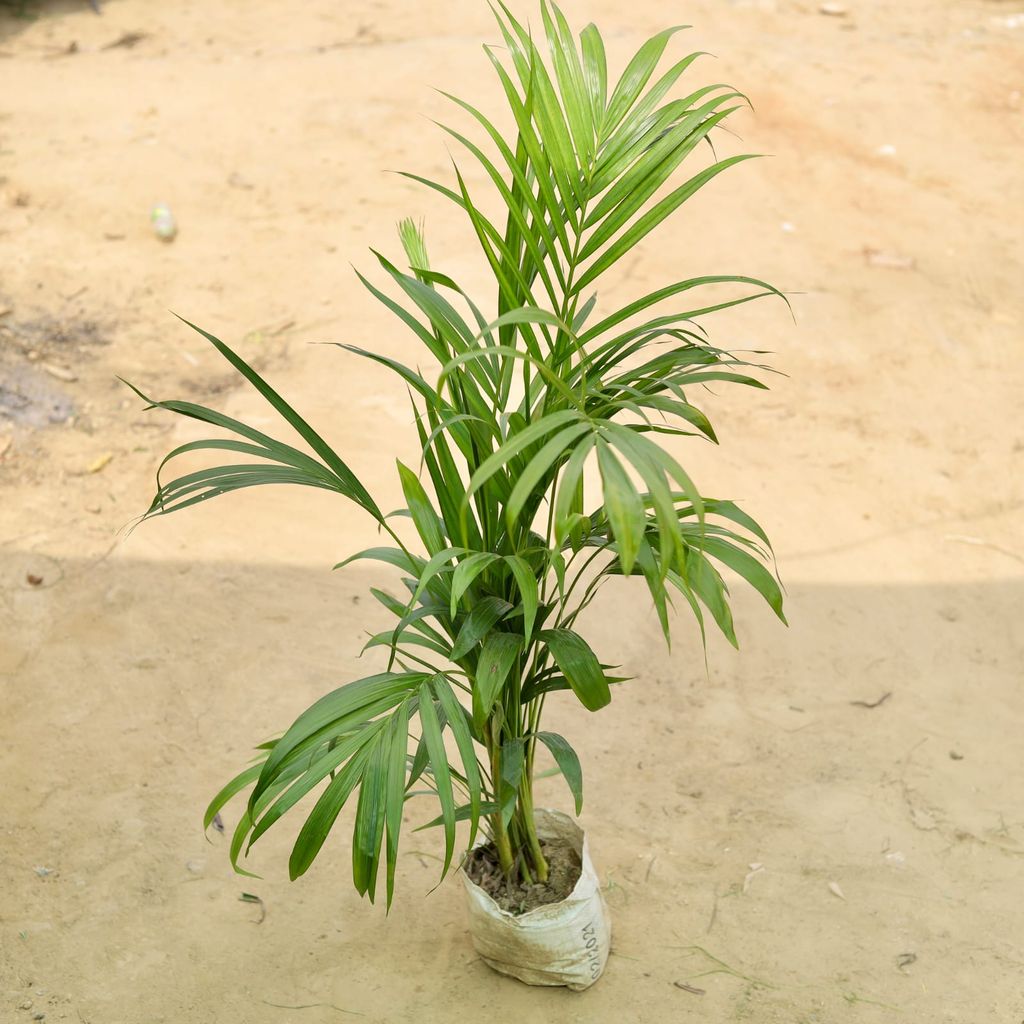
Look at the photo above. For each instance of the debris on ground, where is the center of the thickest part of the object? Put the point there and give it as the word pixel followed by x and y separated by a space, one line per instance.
pixel 688 988
pixel 60 372
pixel 126 41
pixel 165 227
pixel 888 260
pixel 755 869
pixel 100 463
pixel 871 703
pixel 248 897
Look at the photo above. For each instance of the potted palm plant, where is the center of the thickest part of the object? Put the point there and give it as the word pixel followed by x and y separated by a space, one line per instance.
pixel 505 541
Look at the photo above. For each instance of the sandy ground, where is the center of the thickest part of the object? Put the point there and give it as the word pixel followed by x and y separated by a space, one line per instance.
pixel 888 465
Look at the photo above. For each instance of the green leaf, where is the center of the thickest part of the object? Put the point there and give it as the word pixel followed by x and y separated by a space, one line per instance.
pixel 466 572
pixel 650 220
pixel 708 585
pixel 455 713
pixel 301 427
pixel 512 763
pixel 526 581
pixel 462 813
pixel 497 657
pixel 516 443
pixel 532 482
pixel 368 831
pixel 235 786
pixel 325 812
pixel 568 764
pixel 635 77
pixel 478 623
pixel 377 692
pixel 398 742
pixel 579 665
pixel 749 568
pixel 392 556
pixel 428 525
pixel 439 769
pixel 623 506
pixel 595 68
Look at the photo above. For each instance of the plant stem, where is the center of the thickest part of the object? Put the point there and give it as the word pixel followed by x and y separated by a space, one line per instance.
pixel 540 864
pixel 501 838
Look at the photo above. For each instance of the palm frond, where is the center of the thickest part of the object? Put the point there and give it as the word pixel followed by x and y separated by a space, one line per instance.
pixel 513 399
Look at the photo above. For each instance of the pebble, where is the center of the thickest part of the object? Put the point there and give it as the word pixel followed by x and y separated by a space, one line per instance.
pixel 164 225
pixel 834 10
pixel 60 372
pixel 888 260
pixel 97 464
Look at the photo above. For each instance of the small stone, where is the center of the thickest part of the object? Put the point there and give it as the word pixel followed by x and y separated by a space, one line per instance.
pixel 888 260
pixel 26 1005
pixel 97 464
pixel 60 372
pixel 833 10
pixel 195 866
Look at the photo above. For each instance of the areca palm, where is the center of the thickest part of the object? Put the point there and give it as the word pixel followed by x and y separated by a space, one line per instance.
pixel 512 544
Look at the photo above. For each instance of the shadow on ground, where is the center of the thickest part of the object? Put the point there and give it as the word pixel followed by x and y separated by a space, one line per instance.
pixel 867 759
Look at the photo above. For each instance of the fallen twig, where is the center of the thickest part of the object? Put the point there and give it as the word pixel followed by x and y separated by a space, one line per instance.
pixel 871 703
pixel 310 1006
pixel 248 897
pixel 688 988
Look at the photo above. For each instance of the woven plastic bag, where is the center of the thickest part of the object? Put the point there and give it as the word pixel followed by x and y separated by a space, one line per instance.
pixel 562 943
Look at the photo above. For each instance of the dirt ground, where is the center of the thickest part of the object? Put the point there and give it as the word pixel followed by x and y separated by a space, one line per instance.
pixel 793 855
